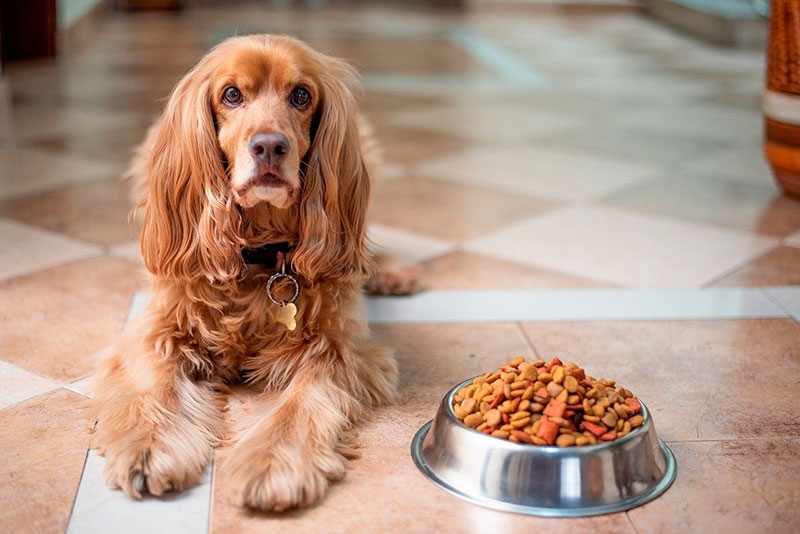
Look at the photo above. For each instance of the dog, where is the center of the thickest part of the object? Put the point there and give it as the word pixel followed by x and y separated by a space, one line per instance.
pixel 255 184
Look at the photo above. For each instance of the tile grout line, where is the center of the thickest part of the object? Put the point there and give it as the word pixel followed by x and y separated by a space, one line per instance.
pixel 212 478
pixel 781 304
pixel 78 489
pixel 528 341
pixel 85 249
pixel 741 264
pixel 49 384
pixel 88 254
pixel 775 301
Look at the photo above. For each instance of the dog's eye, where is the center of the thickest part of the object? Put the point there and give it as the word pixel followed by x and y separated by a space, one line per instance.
pixel 300 97
pixel 232 96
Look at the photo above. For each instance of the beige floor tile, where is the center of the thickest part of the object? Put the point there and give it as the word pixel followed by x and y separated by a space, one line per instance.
pixel 465 270
pixel 640 87
pixel 25 171
pixel 43 448
pixel 595 111
pixel 34 122
pixel 744 162
pixel 96 212
pixel 56 319
pixel 404 55
pixel 382 106
pixel 738 486
pixel 553 174
pixel 114 147
pixel 591 59
pixel 703 122
pixel 708 199
pixel 435 357
pixel 499 124
pixel 448 211
pixel 689 374
pixel 624 248
pixel 657 147
pixel 84 94
pixel 26 249
pixel 407 146
pixel 779 267
pixel 712 59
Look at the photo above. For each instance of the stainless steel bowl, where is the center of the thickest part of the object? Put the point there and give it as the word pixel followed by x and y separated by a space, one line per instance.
pixel 538 480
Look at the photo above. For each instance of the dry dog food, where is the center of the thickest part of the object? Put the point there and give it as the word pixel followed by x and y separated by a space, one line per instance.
pixel 543 403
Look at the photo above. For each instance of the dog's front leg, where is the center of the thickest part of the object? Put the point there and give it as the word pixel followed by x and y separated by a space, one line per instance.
pixel 296 449
pixel 154 423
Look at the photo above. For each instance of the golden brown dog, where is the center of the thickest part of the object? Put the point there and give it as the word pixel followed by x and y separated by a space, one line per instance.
pixel 255 187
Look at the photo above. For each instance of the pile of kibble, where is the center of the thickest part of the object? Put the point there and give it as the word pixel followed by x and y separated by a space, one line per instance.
pixel 547 404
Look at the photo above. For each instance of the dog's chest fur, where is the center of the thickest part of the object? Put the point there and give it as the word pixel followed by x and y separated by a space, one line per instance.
pixel 236 332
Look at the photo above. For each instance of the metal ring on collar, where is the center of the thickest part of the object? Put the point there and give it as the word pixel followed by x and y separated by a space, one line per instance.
pixel 277 276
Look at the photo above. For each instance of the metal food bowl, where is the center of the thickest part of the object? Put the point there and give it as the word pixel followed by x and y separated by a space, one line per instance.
pixel 542 480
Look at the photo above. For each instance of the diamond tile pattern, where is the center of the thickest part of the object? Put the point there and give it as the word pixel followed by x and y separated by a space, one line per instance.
pixel 570 153
pixel 625 248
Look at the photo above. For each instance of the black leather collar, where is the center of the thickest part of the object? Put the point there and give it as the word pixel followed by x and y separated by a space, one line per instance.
pixel 265 254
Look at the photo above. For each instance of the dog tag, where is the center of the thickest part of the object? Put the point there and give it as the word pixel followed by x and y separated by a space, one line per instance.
pixel 286 313
pixel 286 308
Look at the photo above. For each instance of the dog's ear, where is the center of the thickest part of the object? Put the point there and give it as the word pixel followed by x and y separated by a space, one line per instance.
pixel 190 224
pixel 336 184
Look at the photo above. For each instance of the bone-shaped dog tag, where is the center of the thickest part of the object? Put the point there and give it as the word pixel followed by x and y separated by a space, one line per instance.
pixel 286 313
pixel 286 308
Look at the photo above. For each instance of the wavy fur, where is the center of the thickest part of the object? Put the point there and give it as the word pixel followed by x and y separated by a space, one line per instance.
pixel 159 398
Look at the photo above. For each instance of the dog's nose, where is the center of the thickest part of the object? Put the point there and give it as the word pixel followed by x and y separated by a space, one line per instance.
pixel 269 148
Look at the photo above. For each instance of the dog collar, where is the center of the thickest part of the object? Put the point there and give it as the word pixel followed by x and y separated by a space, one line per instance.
pixel 266 254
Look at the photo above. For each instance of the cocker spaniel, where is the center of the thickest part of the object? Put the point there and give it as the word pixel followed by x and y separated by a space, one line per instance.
pixel 255 187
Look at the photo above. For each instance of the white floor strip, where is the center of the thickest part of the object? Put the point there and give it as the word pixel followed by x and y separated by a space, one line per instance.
pixel 138 304
pixel 580 305
pixel 576 305
pixel 99 509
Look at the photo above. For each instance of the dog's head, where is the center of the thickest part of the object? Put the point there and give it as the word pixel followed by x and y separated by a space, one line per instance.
pixel 260 141
pixel 264 97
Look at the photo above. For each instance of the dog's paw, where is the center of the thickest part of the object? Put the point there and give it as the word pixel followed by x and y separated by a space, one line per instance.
pixel 152 471
pixel 143 456
pixel 394 277
pixel 282 477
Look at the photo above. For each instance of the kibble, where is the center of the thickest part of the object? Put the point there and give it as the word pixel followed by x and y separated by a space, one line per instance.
pixel 544 403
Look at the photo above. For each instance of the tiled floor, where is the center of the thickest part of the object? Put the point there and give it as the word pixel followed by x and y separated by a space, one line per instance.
pixel 586 184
